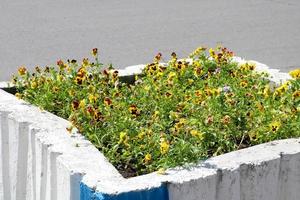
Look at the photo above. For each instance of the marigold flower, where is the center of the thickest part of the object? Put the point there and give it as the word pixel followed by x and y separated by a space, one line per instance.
pixel 22 70
pixel 295 73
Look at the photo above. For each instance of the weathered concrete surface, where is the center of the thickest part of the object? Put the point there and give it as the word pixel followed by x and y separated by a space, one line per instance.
pixel 38 32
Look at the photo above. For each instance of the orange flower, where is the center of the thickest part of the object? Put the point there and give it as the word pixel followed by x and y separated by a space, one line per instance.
pixel 22 70
pixel 107 101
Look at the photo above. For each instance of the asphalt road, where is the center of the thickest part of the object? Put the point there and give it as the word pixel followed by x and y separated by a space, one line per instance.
pixel 128 32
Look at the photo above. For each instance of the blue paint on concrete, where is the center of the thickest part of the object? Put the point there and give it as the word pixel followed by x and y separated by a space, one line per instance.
pixel 160 193
pixel 86 193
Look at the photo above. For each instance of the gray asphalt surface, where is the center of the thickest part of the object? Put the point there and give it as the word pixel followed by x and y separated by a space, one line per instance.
pixel 128 32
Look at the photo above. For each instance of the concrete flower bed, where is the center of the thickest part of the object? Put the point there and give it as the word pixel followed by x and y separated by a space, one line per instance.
pixel 41 160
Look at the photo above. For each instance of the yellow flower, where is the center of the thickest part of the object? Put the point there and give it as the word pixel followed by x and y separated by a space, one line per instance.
pixel 295 73
pixel 267 91
pixel 275 126
pixel 171 75
pixel 164 146
pixel 55 89
pixel 190 81
pixel 211 52
pixel 33 85
pixel 283 88
pixel 82 104
pixel 22 70
pixel 92 98
pixel 296 94
pixel 85 62
pixel 134 110
pixel 247 66
pixel 123 138
pixel 260 106
pixel 244 84
pixel 198 51
pixel 180 124
pixel 18 95
pixel 253 136
pixel 141 135
pixel 198 134
pixel 148 158
pixel 71 92
pixel 161 171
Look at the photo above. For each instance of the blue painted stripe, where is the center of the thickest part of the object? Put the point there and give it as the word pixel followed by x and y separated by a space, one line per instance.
pixel 160 193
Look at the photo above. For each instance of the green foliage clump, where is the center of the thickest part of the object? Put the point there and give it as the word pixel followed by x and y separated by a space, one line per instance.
pixel 178 113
